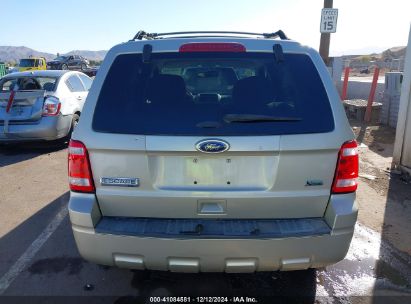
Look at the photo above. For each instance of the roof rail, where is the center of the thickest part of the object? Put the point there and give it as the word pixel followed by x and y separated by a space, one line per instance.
pixel 149 36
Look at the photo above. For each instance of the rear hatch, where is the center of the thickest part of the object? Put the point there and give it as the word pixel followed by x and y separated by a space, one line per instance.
pixel 25 107
pixel 213 134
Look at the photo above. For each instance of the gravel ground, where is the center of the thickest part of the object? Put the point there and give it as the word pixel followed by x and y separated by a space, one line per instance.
pixel 384 194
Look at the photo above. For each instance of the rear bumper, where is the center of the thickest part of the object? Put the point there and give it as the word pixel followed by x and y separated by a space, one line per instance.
pixel 48 128
pixel 213 255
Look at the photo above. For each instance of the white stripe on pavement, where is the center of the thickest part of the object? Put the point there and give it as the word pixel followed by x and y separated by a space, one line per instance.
pixel 25 259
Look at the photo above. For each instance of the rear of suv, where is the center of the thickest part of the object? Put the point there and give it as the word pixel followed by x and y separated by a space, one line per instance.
pixel 213 152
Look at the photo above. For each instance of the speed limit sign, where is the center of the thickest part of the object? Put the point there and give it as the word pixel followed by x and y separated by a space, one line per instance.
pixel 329 20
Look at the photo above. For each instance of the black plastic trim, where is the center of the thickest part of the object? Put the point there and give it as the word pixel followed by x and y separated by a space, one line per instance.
pixel 213 228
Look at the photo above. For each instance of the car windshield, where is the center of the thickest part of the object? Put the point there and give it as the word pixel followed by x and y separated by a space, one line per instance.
pixel 27 63
pixel 28 83
pixel 60 58
pixel 213 94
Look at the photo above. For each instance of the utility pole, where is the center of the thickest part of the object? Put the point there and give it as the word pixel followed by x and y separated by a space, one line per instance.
pixel 325 37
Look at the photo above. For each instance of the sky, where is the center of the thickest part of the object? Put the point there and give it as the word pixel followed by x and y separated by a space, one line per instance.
pixel 364 26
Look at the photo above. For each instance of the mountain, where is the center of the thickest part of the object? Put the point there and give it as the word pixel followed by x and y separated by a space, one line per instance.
pixel 394 53
pixel 397 52
pixel 15 53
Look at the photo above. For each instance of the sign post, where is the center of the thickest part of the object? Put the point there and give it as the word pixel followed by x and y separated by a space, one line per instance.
pixel 367 116
pixel 328 25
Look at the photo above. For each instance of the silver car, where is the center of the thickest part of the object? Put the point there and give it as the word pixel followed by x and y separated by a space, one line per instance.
pixel 41 105
pixel 198 153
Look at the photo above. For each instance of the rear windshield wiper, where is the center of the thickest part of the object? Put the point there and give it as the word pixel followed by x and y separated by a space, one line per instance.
pixel 256 118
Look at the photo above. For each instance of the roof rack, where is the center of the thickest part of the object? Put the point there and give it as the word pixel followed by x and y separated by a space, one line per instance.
pixel 150 36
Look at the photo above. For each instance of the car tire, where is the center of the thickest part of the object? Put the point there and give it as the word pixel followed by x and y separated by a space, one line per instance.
pixel 64 66
pixel 83 67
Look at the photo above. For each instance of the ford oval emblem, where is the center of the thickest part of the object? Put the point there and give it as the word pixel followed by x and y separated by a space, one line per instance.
pixel 212 146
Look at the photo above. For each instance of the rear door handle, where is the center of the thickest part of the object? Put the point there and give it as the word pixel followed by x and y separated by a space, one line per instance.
pixel 79 98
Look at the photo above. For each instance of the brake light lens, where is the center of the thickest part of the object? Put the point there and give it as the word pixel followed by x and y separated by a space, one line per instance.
pixel 51 106
pixel 79 170
pixel 346 174
pixel 212 47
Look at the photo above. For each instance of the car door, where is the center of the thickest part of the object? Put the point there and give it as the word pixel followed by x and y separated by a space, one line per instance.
pixel 77 62
pixel 80 62
pixel 71 63
pixel 78 90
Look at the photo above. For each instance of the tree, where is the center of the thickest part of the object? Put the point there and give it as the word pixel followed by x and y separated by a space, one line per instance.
pixel 365 58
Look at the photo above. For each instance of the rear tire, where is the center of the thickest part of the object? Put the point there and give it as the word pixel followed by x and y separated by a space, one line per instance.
pixel 64 66
pixel 83 67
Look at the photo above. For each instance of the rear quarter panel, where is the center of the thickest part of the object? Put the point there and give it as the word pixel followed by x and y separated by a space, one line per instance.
pixel 69 103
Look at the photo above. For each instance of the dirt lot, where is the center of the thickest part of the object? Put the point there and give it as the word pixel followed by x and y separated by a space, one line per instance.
pixel 384 194
pixel 38 256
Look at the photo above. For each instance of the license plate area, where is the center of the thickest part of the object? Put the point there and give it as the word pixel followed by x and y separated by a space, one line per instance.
pixel 20 111
pixel 16 113
pixel 254 172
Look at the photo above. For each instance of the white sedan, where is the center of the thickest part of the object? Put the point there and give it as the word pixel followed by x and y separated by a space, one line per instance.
pixel 41 105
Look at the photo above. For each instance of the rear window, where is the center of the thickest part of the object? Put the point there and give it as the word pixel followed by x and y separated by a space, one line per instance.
pixel 28 83
pixel 75 84
pixel 87 81
pixel 27 63
pixel 213 94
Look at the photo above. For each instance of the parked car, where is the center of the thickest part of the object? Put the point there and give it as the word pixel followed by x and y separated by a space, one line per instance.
pixel 11 69
pixel 365 71
pixel 41 105
pixel 32 64
pixel 91 72
pixel 68 62
pixel 213 154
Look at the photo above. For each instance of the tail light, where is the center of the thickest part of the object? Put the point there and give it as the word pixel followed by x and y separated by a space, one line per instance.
pixel 345 179
pixel 79 170
pixel 51 106
pixel 212 47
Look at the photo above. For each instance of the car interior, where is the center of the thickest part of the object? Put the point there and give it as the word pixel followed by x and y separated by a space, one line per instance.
pixel 27 84
pixel 216 85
